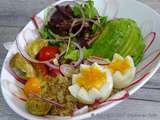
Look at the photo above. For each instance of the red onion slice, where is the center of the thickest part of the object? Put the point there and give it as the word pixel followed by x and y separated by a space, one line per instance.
pixel 23 52
pixel 81 54
pixel 115 98
pixel 149 39
pixel 94 22
pixel 54 103
pixel 66 69
pixel 98 60
pixel 61 54
pixel 51 65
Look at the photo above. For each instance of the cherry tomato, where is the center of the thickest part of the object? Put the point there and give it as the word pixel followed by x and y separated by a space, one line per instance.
pixel 47 53
pixel 41 68
pixel 32 86
pixel 54 72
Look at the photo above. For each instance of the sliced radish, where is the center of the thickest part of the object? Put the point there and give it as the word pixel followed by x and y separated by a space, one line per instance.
pixel 148 61
pixel 146 27
pixel 18 97
pixel 137 81
pixel 149 39
pixel 116 97
pixel 15 90
pixel 19 79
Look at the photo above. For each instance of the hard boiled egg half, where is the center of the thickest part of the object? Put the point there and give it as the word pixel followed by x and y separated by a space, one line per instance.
pixel 123 71
pixel 93 82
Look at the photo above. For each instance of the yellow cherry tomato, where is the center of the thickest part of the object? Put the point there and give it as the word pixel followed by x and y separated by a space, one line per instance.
pixel 32 86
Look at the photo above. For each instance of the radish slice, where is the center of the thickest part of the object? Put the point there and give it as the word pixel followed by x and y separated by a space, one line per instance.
pixel 66 70
pixel 146 27
pixel 149 39
pixel 37 21
pixel 148 61
pixel 14 90
pixel 18 97
pixel 81 111
pixel 54 103
pixel 137 81
pixel 116 97
pixel 22 81
pixel 17 92
pixel 19 79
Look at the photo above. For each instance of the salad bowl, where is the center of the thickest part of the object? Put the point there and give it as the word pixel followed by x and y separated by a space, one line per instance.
pixel 148 21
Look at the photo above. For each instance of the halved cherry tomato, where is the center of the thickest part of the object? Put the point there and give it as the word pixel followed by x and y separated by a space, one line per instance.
pixel 32 86
pixel 54 72
pixel 47 53
pixel 41 68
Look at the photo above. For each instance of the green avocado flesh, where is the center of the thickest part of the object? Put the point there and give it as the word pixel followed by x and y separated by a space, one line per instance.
pixel 121 36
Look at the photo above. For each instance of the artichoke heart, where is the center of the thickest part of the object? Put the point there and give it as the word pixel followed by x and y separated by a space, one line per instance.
pixel 22 67
pixel 34 47
pixel 38 107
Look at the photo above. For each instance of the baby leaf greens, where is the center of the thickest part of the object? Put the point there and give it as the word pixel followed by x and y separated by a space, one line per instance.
pixel 89 10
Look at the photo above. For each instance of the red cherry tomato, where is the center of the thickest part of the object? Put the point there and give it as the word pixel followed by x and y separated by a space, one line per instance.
pixel 47 53
pixel 41 68
pixel 54 72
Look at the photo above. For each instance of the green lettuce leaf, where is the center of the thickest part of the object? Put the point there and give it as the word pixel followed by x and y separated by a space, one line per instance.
pixel 89 10
pixel 74 54
pixel 103 22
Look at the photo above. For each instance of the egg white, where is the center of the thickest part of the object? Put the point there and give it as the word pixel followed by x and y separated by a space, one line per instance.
pixel 89 96
pixel 122 80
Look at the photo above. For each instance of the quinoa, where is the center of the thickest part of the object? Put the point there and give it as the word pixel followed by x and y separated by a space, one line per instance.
pixel 57 90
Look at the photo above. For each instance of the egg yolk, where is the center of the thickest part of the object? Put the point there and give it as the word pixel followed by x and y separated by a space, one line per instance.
pixel 119 65
pixel 91 77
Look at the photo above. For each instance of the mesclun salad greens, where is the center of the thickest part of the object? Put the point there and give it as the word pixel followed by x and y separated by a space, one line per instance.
pixel 78 59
